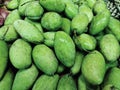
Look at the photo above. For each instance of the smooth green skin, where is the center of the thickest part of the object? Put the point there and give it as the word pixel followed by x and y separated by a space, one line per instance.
pixel 53 5
pixel 60 68
pixel 45 82
pixel 23 27
pixel 51 21
pixel 12 17
pixel 64 48
pixel 114 27
pixel 20 54
pixel 109 87
pixel 8 33
pixel 88 11
pixel 110 47
pixel 22 6
pixel 34 10
pixel 3 57
pixel 79 23
pixel 94 67
pixel 78 62
pixel 66 25
pixel 13 4
pixel 7 80
pixel 49 38
pixel 99 6
pixel 113 77
pixel 25 78
pixel 71 10
pixel 66 82
pixel 82 84
pixel 45 59
pixel 35 23
pixel 86 42
pixel 99 22
pixel 91 3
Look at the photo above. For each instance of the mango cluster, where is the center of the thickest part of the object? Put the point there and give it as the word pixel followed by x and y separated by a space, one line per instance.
pixel 59 45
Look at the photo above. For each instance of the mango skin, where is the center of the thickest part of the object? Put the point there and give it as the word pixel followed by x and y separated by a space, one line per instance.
pixel 66 82
pixel 45 82
pixel 79 23
pixel 114 27
pixel 113 78
pixel 64 48
pixel 3 57
pixel 55 18
pixel 99 22
pixel 23 27
pixel 25 78
pixel 110 47
pixel 45 59
pixel 7 81
pixel 94 62
pixel 20 54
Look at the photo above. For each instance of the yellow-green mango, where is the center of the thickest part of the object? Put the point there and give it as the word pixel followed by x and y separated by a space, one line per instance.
pixel 64 48
pixel 94 67
pixel 45 59
pixel 20 54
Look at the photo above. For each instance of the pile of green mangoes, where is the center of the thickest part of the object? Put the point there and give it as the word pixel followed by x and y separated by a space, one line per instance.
pixel 59 45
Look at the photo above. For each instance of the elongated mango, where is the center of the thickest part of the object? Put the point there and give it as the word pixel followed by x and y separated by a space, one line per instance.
pixel 28 31
pixel 3 57
pixel 110 47
pixel 20 54
pixel 25 78
pixel 45 82
pixel 64 48
pixel 45 59
pixel 94 62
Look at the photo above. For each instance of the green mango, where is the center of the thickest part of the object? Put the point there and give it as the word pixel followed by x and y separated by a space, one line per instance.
pixel 91 3
pixel 51 21
pixel 7 80
pixel 99 22
pixel 25 78
pixel 12 17
pixel 88 11
pixel 28 31
pixel 66 25
pixel 34 10
pixel 66 82
pixel 110 47
pixel 79 23
pixel 71 10
pixel 53 5
pixel 82 83
pixel 64 48
pixel 3 57
pixel 85 42
pixel 22 6
pixel 8 33
pixel 13 4
pixel 45 59
pixel 114 27
pixel 45 82
pixel 20 54
pixel 113 78
pixel 99 6
pixel 49 38
pixel 35 23
pixel 75 69
pixel 94 62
